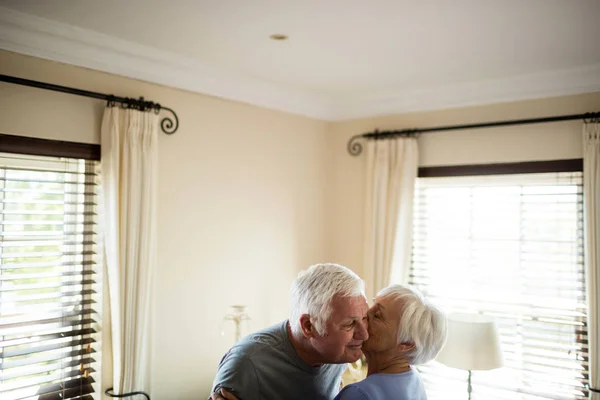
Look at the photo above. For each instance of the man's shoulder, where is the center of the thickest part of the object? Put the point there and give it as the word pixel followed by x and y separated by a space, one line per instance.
pixel 271 339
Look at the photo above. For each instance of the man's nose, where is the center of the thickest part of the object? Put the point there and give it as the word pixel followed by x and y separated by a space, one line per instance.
pixel 361 332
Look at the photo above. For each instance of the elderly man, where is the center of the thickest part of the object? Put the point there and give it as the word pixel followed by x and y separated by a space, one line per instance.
pixel 404 330
pixel 304 357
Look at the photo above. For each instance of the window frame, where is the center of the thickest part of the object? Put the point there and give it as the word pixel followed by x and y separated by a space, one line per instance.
pixel 530 167
pixel 48 147
pixel 30 146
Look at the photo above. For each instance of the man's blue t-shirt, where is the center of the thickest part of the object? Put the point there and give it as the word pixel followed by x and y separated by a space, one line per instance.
pixel 404 386
pixel 265 366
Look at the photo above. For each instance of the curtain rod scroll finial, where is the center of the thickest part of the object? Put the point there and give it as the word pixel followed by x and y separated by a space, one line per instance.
pixel 167 124
pixel 355 148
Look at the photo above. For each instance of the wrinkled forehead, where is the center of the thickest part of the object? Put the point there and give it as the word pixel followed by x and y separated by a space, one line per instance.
pixel 389 302
pixel 348 306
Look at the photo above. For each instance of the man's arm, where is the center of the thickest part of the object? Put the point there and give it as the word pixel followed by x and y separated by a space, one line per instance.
pixel 237 376
pixel 223 394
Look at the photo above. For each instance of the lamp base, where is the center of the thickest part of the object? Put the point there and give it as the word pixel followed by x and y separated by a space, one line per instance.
pixel 469 388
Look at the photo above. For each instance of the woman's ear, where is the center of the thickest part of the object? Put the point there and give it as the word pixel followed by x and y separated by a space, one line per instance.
pixel 308 329
pixel 404 347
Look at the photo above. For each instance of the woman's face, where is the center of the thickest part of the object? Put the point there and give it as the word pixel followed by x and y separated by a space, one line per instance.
pixel 384 317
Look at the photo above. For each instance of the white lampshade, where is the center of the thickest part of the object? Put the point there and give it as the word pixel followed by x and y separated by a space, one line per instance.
pixel 472 344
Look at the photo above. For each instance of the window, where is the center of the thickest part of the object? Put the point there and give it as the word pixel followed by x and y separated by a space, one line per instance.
pixel 48 292
pixel 509 246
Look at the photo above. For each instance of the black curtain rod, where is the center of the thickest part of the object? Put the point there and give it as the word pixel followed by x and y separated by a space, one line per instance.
pixel 167 124
pixel 355 148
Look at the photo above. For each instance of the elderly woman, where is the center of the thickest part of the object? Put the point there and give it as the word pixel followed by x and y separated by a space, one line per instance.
pixel 404 330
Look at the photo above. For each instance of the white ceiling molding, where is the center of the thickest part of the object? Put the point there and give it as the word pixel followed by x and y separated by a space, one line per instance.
pixel 43 38
pixel 523 87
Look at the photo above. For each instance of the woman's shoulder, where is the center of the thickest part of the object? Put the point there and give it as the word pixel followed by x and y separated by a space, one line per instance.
pixel 381 386
pixel 353 392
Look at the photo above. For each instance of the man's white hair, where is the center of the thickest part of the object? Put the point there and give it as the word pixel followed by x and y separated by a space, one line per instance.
pixel 314 289
pixel 421 323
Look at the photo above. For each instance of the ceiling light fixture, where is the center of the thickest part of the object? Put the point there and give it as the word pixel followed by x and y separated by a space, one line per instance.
pixel 278 36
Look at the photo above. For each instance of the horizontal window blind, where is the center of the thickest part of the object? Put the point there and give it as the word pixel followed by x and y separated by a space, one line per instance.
pixel 49 295
pixel 511 247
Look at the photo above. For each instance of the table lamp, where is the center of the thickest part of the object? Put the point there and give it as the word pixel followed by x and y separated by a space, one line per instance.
pixel 472 344
pixel 238 315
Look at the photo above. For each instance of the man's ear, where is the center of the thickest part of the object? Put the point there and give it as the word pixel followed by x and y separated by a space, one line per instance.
pixel 308 329
pixel 404 347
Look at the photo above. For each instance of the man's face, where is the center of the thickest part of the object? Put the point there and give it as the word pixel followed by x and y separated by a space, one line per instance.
pixel 384 319
pixel 344 332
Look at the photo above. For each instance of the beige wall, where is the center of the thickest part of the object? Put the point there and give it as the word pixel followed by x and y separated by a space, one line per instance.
pixel 241 207
pixel 346 180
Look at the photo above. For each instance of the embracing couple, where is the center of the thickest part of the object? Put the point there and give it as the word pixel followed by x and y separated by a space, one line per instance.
pixel 330 325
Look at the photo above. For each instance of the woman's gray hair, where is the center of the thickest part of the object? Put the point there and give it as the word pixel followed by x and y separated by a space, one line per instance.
pixel 421 323
pixel 314 289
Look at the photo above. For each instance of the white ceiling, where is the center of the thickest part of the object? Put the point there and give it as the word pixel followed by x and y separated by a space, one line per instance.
pixel 343 59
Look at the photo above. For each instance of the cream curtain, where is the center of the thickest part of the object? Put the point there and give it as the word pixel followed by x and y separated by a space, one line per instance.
pixel 391 173
pixel 591 204
pixel 129 193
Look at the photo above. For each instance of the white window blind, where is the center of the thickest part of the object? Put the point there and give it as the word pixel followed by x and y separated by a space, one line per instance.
pixel 48 292
pixel 510 246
